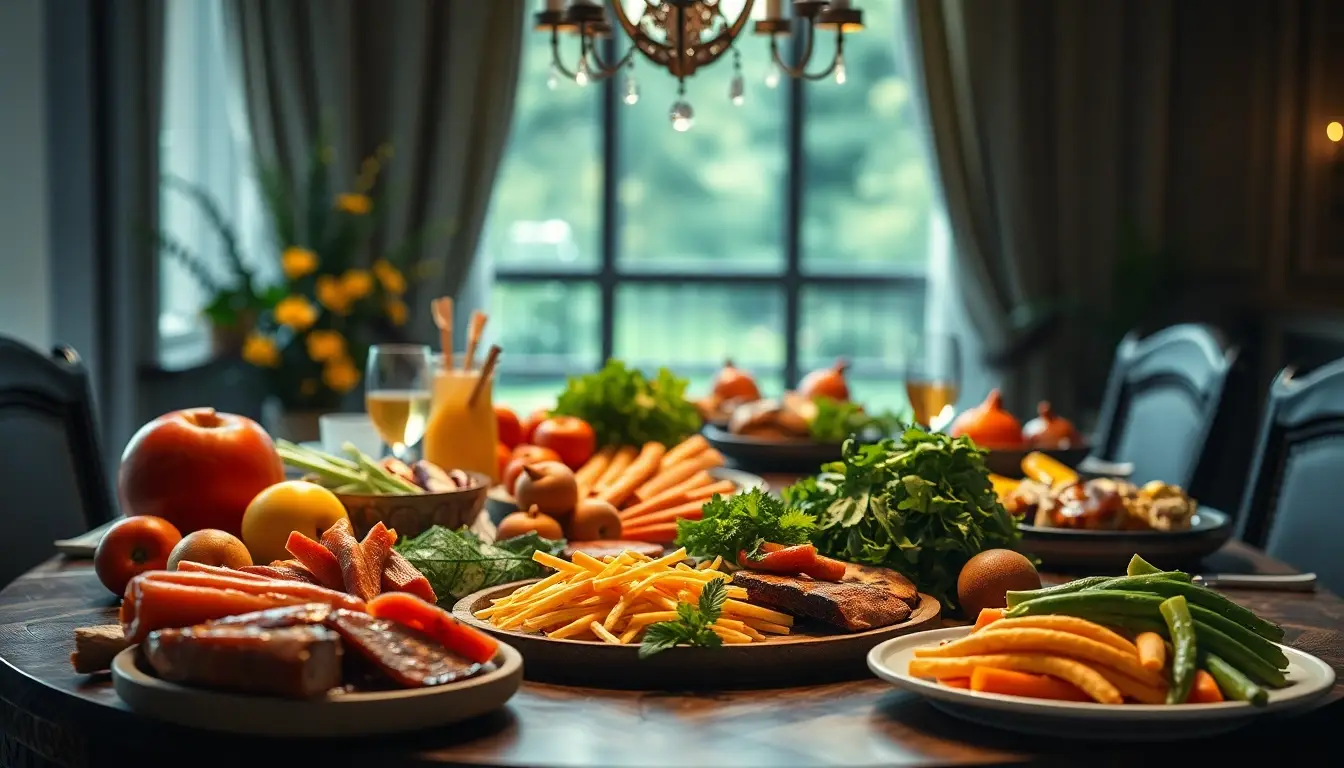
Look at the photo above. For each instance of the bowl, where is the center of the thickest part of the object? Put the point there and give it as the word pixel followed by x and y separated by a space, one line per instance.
pixel 1008 463
pixel 413 514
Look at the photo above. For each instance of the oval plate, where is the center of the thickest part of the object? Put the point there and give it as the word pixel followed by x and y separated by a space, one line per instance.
pixel 499 502
pixel 1309 678
pixel 813 654
pixel 1072 548
pixel 336 715
pixel 771 455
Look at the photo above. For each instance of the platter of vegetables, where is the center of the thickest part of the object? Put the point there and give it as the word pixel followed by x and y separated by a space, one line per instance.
pixel 1146 654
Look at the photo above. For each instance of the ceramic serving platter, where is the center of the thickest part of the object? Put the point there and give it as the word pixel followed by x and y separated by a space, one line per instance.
pixel 335 715
pixel 1309 679
pixel 812 653
pixel 1066 548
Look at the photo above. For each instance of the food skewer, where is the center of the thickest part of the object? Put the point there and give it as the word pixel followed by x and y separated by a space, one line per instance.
pixel 478 319
pixel 487 370
pixel 442 309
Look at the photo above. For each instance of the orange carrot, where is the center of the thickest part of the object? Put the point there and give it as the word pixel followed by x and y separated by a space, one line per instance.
pixel 665 500
pixel 151 605
pixel 684 450
pixel 641 469
pixel 662 533
pixel 698 480
pixel 954 682
pixel 188 565
pixel 723 487
pixel 286 570
pixel 691 509
pixel 1152 650
pixel 1013 683
pixel 593 468
pixel 400 576
pixel 362 576
pixel 1205 689
pixel 317 558
pixel 619 462
pixel 676 473
pixel 243 583
pixel 987 616
pixel 421 616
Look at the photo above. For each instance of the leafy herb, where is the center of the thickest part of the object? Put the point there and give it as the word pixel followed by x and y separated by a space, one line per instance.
pixel 458 563
pixel 692 626
pixel 743 522
pixel 921 505
pixel 836 420
pixel 626 408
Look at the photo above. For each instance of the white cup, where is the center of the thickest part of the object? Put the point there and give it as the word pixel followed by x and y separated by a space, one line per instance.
pixel 337 429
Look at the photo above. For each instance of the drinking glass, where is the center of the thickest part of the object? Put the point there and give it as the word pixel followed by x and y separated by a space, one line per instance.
pixel 397 394
pixel 463 432
pixel 933 378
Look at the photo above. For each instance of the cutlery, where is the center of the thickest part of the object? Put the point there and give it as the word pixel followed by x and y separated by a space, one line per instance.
pixel 1296 582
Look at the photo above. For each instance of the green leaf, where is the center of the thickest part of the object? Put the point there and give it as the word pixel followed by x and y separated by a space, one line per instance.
pixel 659 637
pixel 626 408
pixel 202 197
pixel 457 563
pixel 712 598
pixel 742 523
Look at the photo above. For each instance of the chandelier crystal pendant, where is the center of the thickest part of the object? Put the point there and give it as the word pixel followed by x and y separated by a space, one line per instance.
pixel 681 36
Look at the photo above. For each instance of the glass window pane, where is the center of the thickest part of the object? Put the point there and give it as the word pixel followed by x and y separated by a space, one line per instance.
pixel 546 209
pixel 867 185
pixel 525 394
pixel 712 197
pixel 870 327
pixel 545 328
pixel 693 327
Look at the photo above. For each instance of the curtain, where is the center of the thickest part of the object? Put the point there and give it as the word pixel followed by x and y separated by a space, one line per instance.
pixel 434 78
pixel 1050 129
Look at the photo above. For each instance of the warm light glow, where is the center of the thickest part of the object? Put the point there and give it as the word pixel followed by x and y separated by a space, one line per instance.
pixel 1334 131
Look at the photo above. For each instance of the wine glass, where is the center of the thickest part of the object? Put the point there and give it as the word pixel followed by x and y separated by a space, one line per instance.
pixel 397 394
pixel 933 378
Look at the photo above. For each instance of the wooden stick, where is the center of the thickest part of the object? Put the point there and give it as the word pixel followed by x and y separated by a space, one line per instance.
pixel 487 371
pixel 442 308
pixel 478 319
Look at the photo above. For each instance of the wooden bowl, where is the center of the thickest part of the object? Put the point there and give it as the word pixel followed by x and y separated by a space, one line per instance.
pixel 413 514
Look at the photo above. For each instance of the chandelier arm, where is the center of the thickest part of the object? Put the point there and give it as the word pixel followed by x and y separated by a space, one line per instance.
pixel 603 70
pixel 800 71
pixel 555 56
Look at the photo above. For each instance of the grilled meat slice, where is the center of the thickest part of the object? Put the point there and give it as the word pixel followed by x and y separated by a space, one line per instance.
pixel 408 657
pixel 868 598
pixel 276 618
pixel 295 662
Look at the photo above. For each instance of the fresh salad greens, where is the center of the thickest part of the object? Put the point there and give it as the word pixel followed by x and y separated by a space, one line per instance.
pixel 743 523
pixel 692 625
pixel 458 563
pixel 921 505
pixel 836 420
pixel 626 408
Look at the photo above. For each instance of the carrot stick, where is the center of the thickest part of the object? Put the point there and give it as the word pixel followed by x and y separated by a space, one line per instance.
pixel 658 503
pixel 1013 683
pixel 1152 650
pixel 309 592
pixel 1205 689
pixel 218 570
pixel 691 511
pixel 685 449
pixel 663 533
pixel 724 487
pixel 593 468
pixel 954 682
pixel 698 480
pixel 987 616
pixel 676 473
pixel 157 604
pixel 317 558
pixel 640 470
pixel 624 456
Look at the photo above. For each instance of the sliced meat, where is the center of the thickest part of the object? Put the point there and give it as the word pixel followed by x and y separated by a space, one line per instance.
pixel 854 605
pixel 884 578
pixel 408 657
pixel 285 570
pixel 400 576
pixel 363 578
pixel 278 618
pixel 294 662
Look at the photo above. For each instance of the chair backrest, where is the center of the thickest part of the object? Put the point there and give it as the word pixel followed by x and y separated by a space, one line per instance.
pixel 52 483
pixel 1161 400
pixel 1292 503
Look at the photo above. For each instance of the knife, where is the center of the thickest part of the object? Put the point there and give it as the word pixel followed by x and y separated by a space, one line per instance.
pixel 1296 582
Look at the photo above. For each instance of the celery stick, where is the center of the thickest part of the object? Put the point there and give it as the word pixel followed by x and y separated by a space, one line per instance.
pixel 376 474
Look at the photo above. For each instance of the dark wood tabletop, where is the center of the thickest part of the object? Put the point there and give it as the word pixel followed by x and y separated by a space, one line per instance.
pixel 48 711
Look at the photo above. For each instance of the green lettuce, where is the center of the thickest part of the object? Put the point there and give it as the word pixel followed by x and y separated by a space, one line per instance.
pixel 626 408
pixel 458 563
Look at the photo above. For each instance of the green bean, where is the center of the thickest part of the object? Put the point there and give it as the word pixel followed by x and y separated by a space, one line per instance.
pixel 1089 601
pixel 1077 585
pixel 1246 660
pixel 1203 596
pixel 1183 642
pixel 1138 566
pixel 1139 583
pixel 1232 682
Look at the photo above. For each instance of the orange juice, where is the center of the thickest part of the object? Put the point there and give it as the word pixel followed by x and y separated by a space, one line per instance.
pixel 462 435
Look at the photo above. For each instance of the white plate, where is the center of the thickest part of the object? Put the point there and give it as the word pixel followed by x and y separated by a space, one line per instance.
pixel 1309 679
pixel 338 715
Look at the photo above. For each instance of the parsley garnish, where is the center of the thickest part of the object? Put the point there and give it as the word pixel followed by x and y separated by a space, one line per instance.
pixel 692 626
pixel 743 523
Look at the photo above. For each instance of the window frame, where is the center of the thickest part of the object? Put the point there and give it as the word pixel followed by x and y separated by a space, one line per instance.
pixel 793 280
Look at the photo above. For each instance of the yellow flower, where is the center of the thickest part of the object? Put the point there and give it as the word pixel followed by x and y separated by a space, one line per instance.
pixel 296 312
pixel 340 374
pixel 396 311
pixel 389 276
pixel 356 284
pixel 355 204
pixel 260 351
pixel 308 387
pixel 330 295
pixel 325 345
pixel 297 262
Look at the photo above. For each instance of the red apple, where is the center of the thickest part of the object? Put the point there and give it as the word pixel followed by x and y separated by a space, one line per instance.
pixel 531 423
pixel 197 469
pixel 132 546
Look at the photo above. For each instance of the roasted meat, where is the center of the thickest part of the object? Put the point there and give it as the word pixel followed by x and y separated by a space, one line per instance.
pixel 868 598
pixel 295 662
pixel 406 656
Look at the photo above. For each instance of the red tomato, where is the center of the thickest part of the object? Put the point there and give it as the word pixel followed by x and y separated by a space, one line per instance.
pixel 502 457
pixel 510 429
pixel 534 420
pixel 569 436
pixel 522 456
pixel 131 547
pixel 411 611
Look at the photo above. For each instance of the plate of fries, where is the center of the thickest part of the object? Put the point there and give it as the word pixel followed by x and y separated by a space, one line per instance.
pixel 583 625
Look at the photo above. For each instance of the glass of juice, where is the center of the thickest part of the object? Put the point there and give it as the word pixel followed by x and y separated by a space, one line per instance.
pixel 933 378
pixel 462 431
pixel 397 394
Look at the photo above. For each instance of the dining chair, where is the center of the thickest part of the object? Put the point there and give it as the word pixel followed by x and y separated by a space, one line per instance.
pixel 1291 508
pixel 52 483
pixel 1161 401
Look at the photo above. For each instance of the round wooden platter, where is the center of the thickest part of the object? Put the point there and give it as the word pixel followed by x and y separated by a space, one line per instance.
pixel 336 715
pixel 813 653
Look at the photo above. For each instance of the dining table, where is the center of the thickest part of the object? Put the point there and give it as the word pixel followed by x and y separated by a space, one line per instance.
pixel 52 716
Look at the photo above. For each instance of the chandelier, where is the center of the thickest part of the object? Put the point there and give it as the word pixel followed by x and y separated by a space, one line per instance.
pixel 681 36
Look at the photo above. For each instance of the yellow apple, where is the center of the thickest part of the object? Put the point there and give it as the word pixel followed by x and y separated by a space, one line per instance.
pixel 293 505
